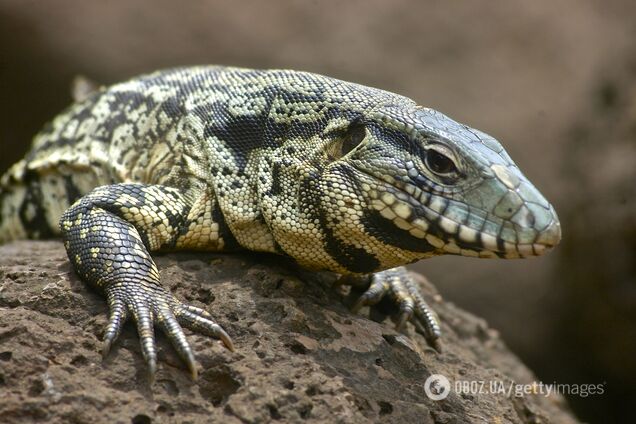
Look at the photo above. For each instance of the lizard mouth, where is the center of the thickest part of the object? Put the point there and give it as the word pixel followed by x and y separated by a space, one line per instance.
pixel 453 227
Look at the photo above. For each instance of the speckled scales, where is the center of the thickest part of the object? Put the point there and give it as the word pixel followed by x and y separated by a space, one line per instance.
pixel 335 175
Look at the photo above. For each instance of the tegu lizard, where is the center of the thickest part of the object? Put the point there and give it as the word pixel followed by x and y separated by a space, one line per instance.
pixel 335 175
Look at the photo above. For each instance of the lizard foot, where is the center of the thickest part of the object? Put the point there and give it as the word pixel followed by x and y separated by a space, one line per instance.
pixel 108 235
pixel 154 306
pixel 405 294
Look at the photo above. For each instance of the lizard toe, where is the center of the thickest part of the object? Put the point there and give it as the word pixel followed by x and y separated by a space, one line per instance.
pixel 199 320
pixel 373 295
pixel 405 313
pixel 117 318
pixel 144 318
pixel 169 324
pixel 424 318
pixel 397 285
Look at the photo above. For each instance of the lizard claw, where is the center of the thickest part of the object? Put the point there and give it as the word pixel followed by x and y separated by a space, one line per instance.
pixel 200 320
pixel 118 316
pixel 403 291
pixel 167 313
pixel 144 320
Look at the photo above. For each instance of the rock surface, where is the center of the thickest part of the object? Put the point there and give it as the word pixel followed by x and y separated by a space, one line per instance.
pixel 301 356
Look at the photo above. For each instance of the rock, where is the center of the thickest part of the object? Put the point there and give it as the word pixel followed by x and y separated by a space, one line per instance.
pixel 301 355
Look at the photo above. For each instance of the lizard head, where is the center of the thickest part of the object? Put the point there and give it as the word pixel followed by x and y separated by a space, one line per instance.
pixel 435 186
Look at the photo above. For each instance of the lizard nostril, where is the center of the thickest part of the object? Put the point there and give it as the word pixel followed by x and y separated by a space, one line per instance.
pixel 524 217
pixel 530 219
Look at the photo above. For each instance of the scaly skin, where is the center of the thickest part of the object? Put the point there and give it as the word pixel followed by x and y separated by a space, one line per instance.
pixel 335 175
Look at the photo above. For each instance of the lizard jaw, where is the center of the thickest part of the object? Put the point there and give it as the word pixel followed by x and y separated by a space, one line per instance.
pixel 446 224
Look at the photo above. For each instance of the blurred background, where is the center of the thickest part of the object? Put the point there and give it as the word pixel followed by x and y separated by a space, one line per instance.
pixel 555 82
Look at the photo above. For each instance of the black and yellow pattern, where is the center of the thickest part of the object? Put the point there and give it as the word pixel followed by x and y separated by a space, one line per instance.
pixel 108 234
pixel 335 175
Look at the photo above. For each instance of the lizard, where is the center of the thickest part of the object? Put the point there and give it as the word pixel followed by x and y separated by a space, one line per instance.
pixel 335 175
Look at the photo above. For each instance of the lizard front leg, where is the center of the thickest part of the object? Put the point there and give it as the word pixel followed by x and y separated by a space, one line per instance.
pixel 397 284
pixel 108 235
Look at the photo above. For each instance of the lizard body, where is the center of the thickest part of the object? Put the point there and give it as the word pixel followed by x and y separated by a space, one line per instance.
pixel 335 175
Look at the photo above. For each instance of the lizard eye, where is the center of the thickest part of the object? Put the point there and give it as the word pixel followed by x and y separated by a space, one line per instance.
pixel 439 163
pixel 353 137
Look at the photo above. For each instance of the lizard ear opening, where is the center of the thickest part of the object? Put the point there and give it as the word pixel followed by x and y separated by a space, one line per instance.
pixel 354 135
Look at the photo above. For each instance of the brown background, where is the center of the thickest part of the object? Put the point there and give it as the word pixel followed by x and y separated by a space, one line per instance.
pixel 553 81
